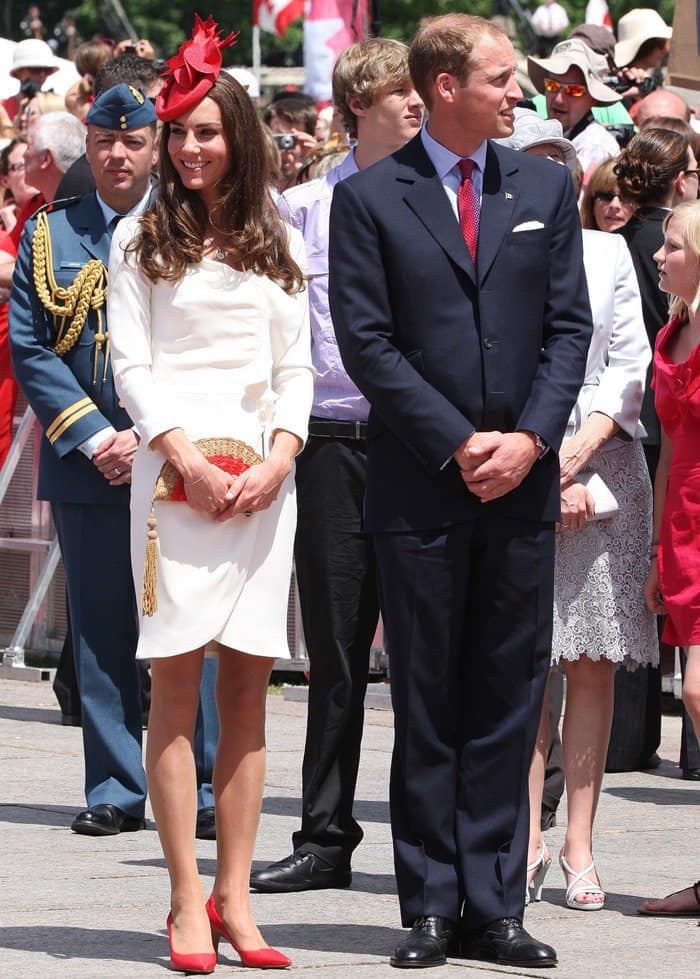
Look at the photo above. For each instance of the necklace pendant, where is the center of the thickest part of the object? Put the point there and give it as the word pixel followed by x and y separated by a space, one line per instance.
pixel 220 255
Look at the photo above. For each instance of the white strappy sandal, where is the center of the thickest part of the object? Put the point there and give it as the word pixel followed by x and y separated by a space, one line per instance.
pixel 533 889
pixel 581 884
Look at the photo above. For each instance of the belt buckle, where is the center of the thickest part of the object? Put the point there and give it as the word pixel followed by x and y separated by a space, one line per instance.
pixel 358 430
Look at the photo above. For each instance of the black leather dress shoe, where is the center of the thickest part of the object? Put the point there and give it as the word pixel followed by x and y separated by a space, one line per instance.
pixel 206 824
pixel 299 872
pixel 106 820
pixel 691 774
pixel 505 941
pixel 430 941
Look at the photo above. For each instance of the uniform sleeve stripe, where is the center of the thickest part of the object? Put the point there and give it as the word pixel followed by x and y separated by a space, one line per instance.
pixel 71 421
pixel 66 413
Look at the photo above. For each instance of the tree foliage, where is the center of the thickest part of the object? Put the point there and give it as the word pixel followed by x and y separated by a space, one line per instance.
pixel 167 24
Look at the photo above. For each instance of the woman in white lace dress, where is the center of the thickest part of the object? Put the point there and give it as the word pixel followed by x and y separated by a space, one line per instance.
pixel 600 619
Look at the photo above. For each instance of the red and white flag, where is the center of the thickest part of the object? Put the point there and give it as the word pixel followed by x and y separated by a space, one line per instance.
pixel 597 12
pixel 330 26
pixel 275 16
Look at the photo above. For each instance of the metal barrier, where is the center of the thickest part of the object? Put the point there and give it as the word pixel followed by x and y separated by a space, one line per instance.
pixel 32 583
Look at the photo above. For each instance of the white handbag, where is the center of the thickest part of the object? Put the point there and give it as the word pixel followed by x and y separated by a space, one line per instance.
pixel 606 506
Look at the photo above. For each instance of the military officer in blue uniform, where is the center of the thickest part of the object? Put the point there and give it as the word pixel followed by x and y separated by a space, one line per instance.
pixel 60 351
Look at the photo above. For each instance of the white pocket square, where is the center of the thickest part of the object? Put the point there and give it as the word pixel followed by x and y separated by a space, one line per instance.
pixel 529 226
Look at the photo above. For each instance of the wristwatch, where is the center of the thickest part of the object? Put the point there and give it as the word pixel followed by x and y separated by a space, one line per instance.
pixel 541 444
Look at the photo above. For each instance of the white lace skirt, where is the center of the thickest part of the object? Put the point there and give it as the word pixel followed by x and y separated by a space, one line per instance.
pixel 599 608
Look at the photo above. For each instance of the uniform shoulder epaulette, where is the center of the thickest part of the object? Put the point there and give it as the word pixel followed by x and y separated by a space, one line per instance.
pixel 59 205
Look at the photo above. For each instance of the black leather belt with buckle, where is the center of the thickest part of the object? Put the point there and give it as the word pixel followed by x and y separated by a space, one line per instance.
pixel 329 428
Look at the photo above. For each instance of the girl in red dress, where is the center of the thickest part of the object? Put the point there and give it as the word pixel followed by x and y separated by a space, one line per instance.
pixel 673 584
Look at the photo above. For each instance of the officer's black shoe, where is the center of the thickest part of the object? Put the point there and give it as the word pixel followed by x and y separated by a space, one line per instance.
pixel 430 941
pixel 505 941
pixel 691 774
pixel 106 820
pixel 299 872
pixel 206 824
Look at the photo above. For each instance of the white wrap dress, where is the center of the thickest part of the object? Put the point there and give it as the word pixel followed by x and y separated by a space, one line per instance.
pixel 219 353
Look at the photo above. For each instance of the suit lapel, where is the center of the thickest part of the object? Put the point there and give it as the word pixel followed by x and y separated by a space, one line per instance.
pixel 426 197
pixel 90 225
pixel 498 201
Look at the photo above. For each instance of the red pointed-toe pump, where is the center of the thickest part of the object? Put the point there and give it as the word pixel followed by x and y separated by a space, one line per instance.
pixel 259 958
pixel 201 962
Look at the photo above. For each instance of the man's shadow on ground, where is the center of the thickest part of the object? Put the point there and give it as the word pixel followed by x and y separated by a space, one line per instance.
pixel 101 944
pixel 365 883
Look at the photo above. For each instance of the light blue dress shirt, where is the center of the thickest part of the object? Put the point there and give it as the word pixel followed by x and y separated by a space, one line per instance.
pixel 446 165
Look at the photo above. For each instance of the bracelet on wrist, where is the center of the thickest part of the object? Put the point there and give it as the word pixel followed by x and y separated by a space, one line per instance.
pixel 195 481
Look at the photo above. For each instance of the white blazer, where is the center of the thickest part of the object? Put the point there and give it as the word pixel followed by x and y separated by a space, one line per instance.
pixel 619 354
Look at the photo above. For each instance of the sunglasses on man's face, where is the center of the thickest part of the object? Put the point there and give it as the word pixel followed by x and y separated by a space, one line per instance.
pixel 574 91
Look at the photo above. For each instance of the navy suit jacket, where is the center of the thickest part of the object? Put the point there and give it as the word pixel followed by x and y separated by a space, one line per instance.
pixel 441 348
pixel 69 401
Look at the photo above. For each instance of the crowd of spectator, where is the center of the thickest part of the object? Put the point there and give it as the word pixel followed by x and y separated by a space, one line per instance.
pixel 598 106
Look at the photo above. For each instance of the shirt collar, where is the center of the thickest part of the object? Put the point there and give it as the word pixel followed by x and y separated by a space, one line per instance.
pixel 445 160
pixel 108 212
pixel 348 166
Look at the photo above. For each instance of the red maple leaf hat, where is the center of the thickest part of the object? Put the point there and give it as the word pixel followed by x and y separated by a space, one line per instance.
pixel 193 70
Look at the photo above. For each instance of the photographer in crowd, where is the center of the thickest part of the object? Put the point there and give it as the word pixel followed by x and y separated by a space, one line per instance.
pixel 291 116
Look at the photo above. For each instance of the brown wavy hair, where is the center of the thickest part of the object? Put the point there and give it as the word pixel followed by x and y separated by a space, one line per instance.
pixel 172 235
pixel 651 162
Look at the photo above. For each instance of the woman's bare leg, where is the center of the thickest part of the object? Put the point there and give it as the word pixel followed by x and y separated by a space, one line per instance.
pixel 239 777
pixel 686 899
pixel 585 739
pixel 172 785
pixel 536 783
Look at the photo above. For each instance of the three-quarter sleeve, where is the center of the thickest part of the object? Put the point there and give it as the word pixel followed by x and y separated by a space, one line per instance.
pixel 621 384
pixel 151 406
pixel 290 343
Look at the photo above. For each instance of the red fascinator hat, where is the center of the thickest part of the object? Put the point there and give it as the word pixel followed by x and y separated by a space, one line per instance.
pixel 193 70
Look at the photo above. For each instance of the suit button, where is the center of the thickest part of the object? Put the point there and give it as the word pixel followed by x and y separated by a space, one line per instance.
pixel 488 343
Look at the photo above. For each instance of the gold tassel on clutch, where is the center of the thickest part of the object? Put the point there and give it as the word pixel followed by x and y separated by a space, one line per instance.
pixel 231 456
pixel 149 589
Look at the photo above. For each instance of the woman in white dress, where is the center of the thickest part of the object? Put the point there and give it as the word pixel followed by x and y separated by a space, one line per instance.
pixel 210 338
pixel 600 619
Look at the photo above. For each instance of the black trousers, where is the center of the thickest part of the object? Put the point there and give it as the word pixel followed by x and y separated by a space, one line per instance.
pixel 336 575
pixel 468 613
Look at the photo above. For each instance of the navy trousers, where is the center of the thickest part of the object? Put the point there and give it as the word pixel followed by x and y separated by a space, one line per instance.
pixel 468 614
pixel 94 541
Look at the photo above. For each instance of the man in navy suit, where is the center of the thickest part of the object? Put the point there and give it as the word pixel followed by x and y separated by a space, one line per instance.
pixel 458 296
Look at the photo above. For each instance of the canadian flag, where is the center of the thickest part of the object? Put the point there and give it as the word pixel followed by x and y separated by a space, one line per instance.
pixel 275 16
pixel 330 26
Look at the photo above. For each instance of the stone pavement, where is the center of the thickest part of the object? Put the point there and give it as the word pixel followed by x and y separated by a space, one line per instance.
pixel 72 907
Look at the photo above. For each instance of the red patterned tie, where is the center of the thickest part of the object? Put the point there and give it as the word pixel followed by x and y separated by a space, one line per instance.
pixel 468 207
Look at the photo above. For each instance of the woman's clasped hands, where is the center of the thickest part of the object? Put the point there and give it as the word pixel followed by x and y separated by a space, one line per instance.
pixel 207 491
pixel 225 496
